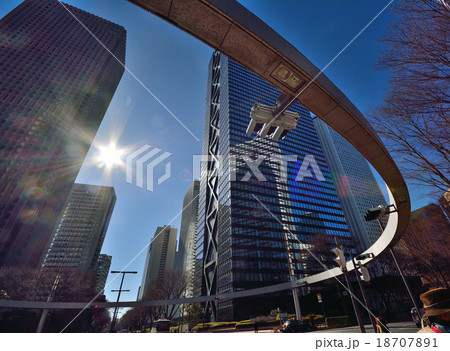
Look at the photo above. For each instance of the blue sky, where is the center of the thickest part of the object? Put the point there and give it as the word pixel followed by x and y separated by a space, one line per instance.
pixel 173 65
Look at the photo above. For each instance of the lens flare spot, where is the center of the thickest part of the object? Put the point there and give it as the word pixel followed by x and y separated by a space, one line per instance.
pixel 34 193
pixel 28 216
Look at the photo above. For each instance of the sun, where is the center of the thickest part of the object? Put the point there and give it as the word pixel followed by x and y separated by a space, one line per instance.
pixel 109 156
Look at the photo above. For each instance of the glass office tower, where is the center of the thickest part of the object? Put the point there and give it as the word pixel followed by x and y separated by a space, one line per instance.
pixel 184 258
pixel 56 82
pixel 355 184
pixel 81 229
pixel 242 244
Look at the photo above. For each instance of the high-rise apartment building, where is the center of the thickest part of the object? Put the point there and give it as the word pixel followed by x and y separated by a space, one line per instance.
pixel 355 184
pixel 185 258
pixel 242 244
pixel 56 82
pixel 160 257
pixel 79 235
pixel 101 272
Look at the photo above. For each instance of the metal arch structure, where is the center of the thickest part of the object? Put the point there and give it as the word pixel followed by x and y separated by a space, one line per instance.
pixel 230 28
pixel 233 30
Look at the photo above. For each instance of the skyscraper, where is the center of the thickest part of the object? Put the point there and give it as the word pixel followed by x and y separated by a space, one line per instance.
pixel 188 235
pixel 79 235
pixel 160 257
pixel 102 271
pixel 246 214
pixel 355 184
pixel 56 82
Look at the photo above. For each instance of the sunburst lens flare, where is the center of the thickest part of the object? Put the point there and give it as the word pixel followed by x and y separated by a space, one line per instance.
pixel 109 156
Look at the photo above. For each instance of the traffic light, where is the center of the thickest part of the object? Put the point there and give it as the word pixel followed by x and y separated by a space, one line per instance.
pixel 266 122
pixel 375 213
pixel 340 258
pixel 364 256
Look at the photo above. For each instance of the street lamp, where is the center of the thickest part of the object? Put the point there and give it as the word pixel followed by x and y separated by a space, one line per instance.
pixel 116 309
pixel 271 121
pixel 375 213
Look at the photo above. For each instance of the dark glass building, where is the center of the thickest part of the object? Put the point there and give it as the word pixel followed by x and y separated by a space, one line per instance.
pixel 81 229
pixel 242 244
pixel 101 272
pixel 56 82
pixel 355 184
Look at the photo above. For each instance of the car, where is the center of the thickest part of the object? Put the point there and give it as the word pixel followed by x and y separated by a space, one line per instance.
pixel 415 316
pixel 295 326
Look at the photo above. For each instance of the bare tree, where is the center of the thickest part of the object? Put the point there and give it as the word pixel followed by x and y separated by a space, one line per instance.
pixel 426 241
pixel 134 319
pixel 171 285
pixel 414 120
pixel 63 284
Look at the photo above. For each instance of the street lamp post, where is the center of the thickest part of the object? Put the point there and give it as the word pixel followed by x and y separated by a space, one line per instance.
pixel 116 309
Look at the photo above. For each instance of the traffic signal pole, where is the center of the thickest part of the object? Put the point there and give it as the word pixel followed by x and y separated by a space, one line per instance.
pixel 340 260
pixel 363 292
pixel 354 302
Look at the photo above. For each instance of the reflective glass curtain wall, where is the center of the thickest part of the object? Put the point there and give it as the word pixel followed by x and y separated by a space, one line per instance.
pixel 242 243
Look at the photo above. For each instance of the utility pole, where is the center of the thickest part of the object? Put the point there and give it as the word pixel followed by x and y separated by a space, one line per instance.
pixel 363 292
pixel 340 260
pixel 116 309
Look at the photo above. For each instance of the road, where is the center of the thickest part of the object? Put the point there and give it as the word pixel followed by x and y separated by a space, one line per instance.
pixel 398 327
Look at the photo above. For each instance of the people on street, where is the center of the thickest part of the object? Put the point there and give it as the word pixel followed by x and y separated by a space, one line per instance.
pixel 382 325
pixel 436 303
